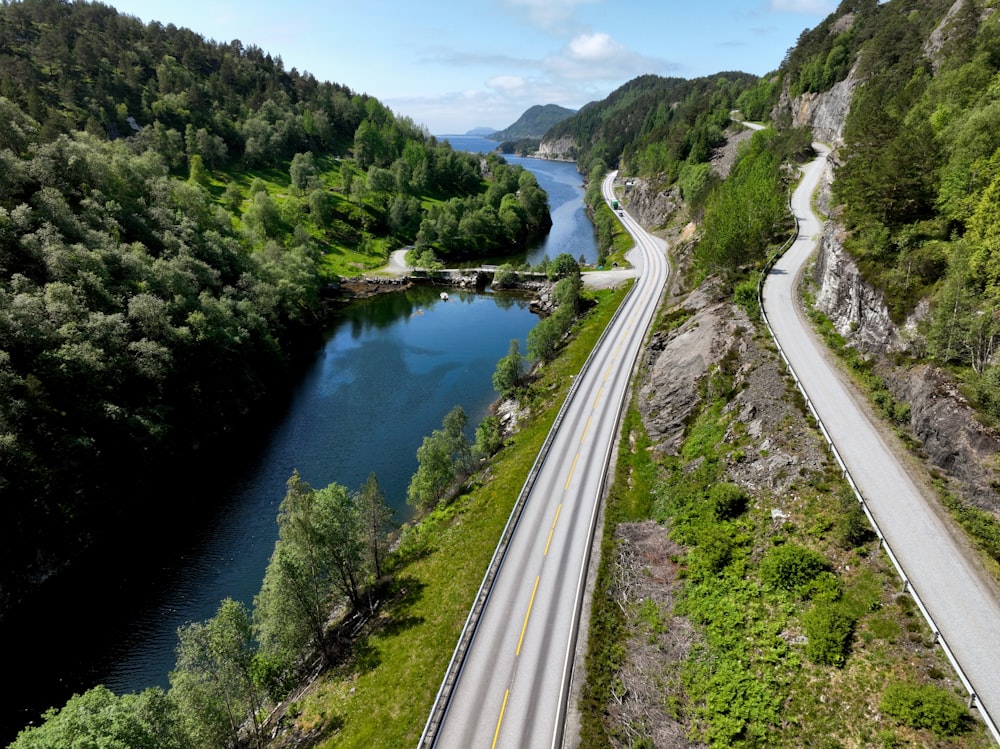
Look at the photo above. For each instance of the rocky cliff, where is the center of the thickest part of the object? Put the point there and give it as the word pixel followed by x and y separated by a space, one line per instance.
pixel 825 113
pixel 559 149
pixel 857 310
pixel 950 435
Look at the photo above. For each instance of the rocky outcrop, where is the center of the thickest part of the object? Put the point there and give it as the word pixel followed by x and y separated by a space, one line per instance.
pixel 560 149
pixel 825 113
pixel 675 363
pixel 856 309
pixel 775 446
pixel 951 435
pixel 650 201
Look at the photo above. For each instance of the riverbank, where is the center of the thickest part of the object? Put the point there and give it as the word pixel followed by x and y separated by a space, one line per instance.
pixel 405 648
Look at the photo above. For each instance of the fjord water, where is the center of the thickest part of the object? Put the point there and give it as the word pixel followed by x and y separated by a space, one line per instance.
pixel 571 232
pixel 390 369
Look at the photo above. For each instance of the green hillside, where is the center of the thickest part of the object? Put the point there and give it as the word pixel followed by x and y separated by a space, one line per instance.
pixel 534 123
pixel 171 212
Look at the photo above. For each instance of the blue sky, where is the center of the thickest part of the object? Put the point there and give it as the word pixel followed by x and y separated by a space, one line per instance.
pixel 452 65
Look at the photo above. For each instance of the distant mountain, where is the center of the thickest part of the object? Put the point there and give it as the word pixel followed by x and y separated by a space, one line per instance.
pixel 482 132
pixel 535 122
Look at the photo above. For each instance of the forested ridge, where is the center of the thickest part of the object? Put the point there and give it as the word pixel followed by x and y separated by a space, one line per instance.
pixel 172 210
pixel 915 179
pixel 916 192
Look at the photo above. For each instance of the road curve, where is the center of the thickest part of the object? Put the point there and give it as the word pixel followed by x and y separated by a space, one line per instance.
pixel 513 682
pixel 962 602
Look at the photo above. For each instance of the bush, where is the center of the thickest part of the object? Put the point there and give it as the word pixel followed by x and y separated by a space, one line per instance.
pixel 792 567
pixel 712 553
pixel 830 630
pixel 727 501
pixel 925 706
pixel 745 296
pixel 505 276
pixel 489 437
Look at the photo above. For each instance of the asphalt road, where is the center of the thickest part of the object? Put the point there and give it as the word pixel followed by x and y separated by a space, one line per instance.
pixel 513 686
pixel 961 600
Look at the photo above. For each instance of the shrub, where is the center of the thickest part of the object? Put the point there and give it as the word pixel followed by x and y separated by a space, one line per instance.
pixel 505 276
pixel 713 552
pixel 745 295
pixel 830 630
pixel 727 501
pixel 925 706
pixel 792 567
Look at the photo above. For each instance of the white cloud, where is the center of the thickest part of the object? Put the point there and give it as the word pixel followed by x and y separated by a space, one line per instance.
pixel 600 57
pixel 597 47
pixel 507 83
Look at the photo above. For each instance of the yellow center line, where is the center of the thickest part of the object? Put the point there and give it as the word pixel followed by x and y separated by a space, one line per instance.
pixel 598 398
pixel 586 429
pixel 572 468
pixel 608 373
pixel 496 734
pixel 527 614
pixel 552 529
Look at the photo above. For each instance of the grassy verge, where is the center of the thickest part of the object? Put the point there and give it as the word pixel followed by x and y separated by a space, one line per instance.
pixel 382 694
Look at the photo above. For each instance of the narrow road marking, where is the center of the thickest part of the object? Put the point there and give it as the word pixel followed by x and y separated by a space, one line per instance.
pixel 583 437
pixel 552 529
pixel 496 734
pixel 527 615
pixel 571 469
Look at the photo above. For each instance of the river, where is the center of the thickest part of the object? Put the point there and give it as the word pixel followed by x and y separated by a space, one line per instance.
pixel 572 232
pixel 391 367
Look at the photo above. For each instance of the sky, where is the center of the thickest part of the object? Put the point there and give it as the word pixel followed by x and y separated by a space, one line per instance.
pixel 455 65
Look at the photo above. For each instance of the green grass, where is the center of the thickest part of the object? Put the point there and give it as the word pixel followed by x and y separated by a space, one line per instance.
pixel 346 248
pixel 382 695
pixel 621 243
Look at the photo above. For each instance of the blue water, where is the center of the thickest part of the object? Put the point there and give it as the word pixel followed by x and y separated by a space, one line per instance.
pixel 390 369
pixel 572 232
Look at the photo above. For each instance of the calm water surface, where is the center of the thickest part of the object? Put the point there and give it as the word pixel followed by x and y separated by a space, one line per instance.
pixel 390 369
pixel 572 232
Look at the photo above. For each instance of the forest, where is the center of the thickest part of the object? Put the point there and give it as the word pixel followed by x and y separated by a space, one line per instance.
pixel 173 212
pixel 918 175
pixel 189 238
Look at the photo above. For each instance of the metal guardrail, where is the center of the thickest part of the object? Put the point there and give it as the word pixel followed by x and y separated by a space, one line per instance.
pixel 441 701
pixel 908 586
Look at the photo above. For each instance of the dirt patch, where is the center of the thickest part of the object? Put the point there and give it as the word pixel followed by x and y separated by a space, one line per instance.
pixel 650 681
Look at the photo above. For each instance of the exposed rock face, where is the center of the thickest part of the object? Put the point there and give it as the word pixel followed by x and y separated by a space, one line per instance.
pixel 675 362
pixel 952 437
pixel 724 157
pixel 938 37
pixel 650 201
pixel 825 113
pixel 563 148
pixel 780 445
pixel 857 310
